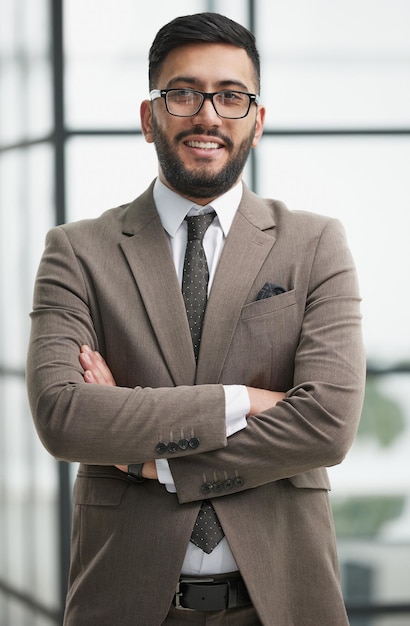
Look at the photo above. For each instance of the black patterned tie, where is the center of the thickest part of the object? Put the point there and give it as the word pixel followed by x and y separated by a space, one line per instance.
pixel 196 275
pixel 207 532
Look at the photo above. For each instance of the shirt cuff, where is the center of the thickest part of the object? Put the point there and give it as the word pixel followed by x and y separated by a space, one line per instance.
pixel 237 407
pixel 164 474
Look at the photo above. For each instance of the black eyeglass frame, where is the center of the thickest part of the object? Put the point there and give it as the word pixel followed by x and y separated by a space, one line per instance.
pixel 163 93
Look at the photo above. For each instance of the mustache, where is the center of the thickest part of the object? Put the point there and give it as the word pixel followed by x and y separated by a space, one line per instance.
pixel 199 130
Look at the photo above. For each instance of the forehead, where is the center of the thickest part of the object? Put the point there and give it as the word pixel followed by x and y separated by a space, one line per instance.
pixel 207 64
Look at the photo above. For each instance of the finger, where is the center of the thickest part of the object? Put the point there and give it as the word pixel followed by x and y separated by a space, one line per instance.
pixel 102 371
pixel 89 377
pixel 92 361
pixel 89 364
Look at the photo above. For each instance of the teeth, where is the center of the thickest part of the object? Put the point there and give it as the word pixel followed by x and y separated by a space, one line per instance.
pixel 208 145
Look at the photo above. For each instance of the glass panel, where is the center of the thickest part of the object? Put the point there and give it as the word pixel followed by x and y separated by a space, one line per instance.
pixel 25 216
pixel 28 490
pixel 364 183
pixel 14 613
pixel 106 58
pixel 104 172
pixel 238 11
pixel 330 64
pixel 28 541
pixel 25 74
pixel 393 619
pixel 371 496
pixel 374 572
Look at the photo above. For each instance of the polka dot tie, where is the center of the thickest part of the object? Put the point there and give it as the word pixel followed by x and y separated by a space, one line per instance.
pixel 207 532
pixel 195 275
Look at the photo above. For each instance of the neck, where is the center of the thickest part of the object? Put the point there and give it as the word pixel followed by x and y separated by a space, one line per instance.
pixel 200 201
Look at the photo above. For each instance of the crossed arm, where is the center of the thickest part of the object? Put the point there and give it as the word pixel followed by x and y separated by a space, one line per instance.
pixel 97 372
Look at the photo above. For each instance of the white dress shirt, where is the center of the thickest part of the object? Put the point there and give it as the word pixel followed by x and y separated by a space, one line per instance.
pixel 172 209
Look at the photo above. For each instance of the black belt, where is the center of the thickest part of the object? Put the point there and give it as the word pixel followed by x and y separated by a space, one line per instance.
pixel 211 594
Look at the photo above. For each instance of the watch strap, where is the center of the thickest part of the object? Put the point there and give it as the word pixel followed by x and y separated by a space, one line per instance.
pixel 135 472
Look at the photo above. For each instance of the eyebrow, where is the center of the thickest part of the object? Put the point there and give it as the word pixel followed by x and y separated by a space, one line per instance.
pixel 222 84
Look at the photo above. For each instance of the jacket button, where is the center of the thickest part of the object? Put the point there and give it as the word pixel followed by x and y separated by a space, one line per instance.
pixel 217 486
pixel 194 442
pixel 172 446
pixel 228 484
pixel 206 487
pixel 239 481
pixel 161 448
pixel 183 444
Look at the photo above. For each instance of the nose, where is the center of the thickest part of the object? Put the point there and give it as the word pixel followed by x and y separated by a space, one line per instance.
pixel 207 114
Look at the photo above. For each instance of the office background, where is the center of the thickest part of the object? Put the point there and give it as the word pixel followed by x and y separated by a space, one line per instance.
pixel 336 84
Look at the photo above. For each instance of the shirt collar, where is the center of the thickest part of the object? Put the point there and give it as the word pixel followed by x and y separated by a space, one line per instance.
pixel 173 208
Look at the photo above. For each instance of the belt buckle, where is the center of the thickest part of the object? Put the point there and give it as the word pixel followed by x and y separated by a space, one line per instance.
pixel 178 592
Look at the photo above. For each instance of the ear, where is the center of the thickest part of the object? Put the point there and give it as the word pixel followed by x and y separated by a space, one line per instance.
pixel 260 121
pixel 146 120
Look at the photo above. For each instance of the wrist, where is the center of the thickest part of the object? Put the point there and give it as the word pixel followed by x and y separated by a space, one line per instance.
pixel 134 472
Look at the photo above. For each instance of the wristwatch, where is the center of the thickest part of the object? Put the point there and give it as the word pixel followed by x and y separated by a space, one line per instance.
pixel 135 472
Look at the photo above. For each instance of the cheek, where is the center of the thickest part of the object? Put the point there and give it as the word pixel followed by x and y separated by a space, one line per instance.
pixel 167 128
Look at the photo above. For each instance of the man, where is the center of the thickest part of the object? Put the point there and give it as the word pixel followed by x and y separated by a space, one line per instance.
pixel 235 413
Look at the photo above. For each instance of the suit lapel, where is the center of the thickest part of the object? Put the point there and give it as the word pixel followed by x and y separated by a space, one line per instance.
pixel 245 251
pixel 148 254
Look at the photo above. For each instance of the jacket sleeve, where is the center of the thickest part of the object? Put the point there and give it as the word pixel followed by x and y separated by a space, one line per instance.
pixel 314 426
pixel 94 424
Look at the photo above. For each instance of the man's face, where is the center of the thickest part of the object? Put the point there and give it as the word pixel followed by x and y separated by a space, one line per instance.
pixel 203 156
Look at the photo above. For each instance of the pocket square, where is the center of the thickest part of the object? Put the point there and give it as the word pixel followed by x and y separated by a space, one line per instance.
pixel 270 289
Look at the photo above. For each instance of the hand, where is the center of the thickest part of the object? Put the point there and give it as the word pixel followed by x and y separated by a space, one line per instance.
pixel 263 399
pixel 97 372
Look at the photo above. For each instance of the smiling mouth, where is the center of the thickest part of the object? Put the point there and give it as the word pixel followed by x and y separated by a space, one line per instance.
pixel 203 145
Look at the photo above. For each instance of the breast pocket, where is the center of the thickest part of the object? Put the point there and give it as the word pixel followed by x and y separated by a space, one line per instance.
pixel 263 348
pixel 269 305
pixel 272 315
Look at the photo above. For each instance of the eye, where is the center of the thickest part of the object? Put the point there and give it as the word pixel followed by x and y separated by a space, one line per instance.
pixel 231 98
pixel 181 95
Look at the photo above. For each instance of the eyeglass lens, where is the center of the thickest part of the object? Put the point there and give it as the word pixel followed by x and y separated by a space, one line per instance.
pixel 184 103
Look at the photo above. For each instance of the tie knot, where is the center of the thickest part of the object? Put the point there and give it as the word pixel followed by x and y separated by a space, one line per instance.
pixel 198 224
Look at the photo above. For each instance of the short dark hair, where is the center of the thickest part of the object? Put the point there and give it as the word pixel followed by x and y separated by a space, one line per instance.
pixel 200 28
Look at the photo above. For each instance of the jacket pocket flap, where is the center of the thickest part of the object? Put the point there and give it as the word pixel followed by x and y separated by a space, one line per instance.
pixel 99 491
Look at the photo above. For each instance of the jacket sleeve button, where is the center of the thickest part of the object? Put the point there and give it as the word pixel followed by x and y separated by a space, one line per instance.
pixel 172 446
pixel 161 448
pixel 239 481
pixel 228 484
pixel 194 442
pixel 206 487
pixel 217 486
pixel 183 444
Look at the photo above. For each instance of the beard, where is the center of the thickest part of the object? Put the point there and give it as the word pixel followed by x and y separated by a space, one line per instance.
pixel 201 183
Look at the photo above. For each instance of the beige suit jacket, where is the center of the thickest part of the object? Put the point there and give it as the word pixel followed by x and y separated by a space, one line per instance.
pixel 111 283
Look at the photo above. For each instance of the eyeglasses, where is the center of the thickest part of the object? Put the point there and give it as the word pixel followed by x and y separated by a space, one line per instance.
pixel 232 105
